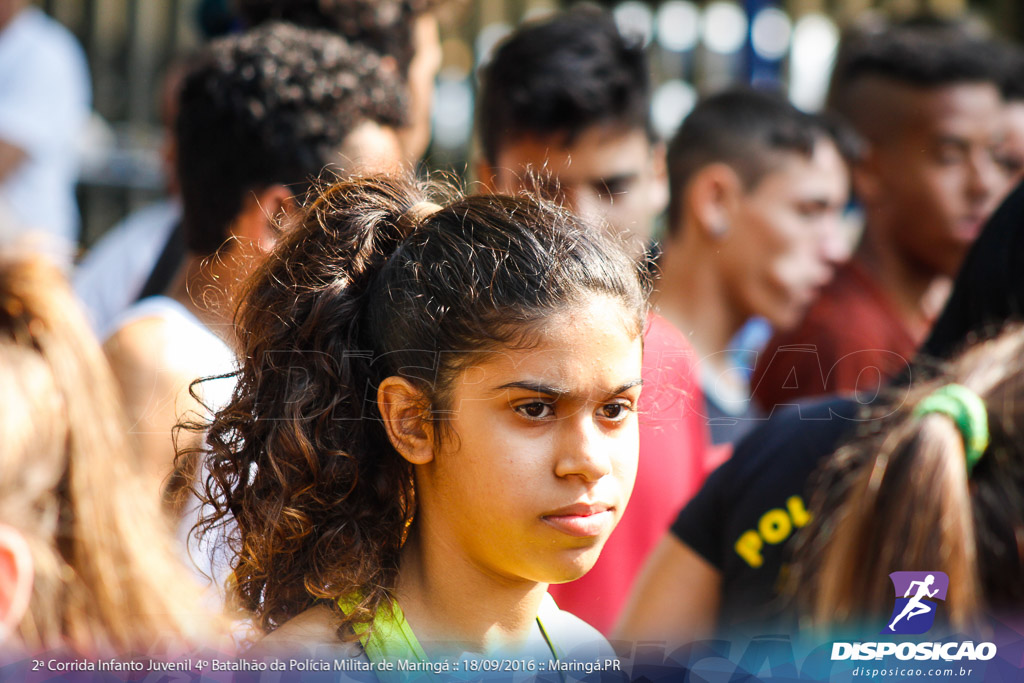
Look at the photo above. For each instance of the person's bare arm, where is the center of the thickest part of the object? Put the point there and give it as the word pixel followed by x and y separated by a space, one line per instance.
pixel 675 599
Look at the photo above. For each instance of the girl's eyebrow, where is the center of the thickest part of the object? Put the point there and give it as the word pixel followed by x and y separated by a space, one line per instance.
pixel 536 387
pixel 556 391
pixel 626 387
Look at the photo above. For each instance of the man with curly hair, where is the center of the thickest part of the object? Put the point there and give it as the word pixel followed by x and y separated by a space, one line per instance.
pixel 403 32
pixel 138 257
pixel 260 116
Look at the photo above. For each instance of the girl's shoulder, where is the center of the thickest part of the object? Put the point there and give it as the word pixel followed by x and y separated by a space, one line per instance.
pixel 572 636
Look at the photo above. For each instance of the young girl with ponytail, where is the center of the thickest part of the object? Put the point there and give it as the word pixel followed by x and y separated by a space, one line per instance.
pixel 937 487
pixel 435 418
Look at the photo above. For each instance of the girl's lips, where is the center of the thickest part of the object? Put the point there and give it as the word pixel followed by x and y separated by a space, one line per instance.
pixel 582 521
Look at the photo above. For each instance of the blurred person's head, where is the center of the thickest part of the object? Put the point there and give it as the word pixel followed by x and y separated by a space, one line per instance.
pixel 757 191
pixel 403 33
pixel 261 115
pixel 568 98
pixel 926 99
pixel 86 559
pixel 988 291
pixel 1013 101
pixel 924 491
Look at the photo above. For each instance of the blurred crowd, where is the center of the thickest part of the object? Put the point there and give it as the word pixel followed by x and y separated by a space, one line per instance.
pixel 176 447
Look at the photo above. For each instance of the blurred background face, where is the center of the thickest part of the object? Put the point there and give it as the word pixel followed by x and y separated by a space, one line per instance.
pixel 936 176
pixel 606 175
pixel 1013 140
pixel 785 236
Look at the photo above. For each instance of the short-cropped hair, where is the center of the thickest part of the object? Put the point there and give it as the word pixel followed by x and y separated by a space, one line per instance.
pixel 384 26
pixel 920 54
pixel 560 76
pixel 748 130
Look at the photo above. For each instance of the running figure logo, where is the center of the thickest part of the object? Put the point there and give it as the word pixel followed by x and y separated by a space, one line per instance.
pixel 915 611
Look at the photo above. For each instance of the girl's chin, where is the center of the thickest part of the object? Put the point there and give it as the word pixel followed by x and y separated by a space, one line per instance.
pixel 574 568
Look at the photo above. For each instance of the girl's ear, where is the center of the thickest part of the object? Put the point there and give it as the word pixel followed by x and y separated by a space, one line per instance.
pixel 410 430
pixel 16 576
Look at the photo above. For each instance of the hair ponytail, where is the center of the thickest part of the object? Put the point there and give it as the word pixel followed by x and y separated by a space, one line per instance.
pixel 905 499
pixel 371 281
pixel 905 508
pixel 294 450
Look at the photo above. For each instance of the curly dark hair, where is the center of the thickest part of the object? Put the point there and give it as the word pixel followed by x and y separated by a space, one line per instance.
pixel 273 105
pixel 304 484
pixel 384 26
pixel 561 76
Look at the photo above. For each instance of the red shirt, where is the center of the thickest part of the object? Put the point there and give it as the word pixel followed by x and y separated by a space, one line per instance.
pixel 850 340
pixel 673 451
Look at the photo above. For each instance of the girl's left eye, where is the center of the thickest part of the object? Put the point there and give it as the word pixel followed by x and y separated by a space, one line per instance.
pixel 536 410
pixel 614 411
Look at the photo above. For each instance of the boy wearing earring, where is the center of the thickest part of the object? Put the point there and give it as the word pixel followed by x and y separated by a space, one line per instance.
pixel 757 190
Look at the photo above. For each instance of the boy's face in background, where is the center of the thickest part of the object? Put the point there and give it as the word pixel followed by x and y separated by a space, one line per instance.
pixel 607 174
pixel 785 236
pixel 1012 153
pixel 934 178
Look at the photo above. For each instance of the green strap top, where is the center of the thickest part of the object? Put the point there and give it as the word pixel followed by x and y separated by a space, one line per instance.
pixel 390 638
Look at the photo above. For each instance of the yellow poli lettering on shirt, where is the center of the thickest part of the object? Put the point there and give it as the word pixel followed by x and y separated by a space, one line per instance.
pixel 774 527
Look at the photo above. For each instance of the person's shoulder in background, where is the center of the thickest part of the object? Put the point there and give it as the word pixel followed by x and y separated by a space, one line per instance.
pixel 112 274
pixel 850 340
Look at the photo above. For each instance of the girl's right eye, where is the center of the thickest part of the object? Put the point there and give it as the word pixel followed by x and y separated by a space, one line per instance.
pixel 536 410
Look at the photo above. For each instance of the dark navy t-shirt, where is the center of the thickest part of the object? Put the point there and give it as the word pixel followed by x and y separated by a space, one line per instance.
pixel 745 515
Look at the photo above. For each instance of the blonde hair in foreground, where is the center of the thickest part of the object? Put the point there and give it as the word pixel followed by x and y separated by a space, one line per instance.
pixel 901 499
pixel 106 577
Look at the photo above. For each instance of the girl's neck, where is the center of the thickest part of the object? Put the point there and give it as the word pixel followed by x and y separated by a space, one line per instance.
pixel 455 606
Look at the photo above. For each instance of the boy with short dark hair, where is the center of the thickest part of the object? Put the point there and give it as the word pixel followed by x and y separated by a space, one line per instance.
pixel 757 193
pixel 404 33
pixel 926 100
pixel 261 114
pixel 569 98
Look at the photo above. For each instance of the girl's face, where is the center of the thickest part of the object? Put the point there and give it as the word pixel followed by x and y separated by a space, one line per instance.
pixel 540 454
